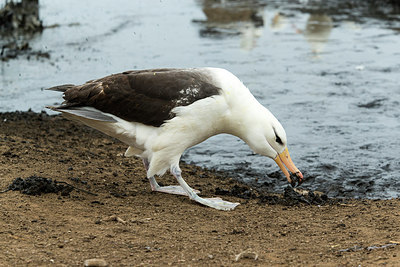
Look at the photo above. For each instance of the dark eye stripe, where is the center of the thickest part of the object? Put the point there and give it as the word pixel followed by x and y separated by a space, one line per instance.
pixel 277 139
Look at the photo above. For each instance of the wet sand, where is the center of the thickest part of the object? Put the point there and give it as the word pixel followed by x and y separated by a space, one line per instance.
pixel 128 225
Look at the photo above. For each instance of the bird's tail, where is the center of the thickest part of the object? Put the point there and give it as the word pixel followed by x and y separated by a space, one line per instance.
pixel 61 88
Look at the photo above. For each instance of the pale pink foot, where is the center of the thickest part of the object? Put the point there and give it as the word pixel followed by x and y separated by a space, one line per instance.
pixel 171 189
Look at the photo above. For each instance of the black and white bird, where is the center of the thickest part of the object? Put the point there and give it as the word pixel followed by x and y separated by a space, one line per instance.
pixel 159 113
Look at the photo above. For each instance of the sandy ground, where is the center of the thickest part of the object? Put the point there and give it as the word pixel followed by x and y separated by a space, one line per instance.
pixel 128 225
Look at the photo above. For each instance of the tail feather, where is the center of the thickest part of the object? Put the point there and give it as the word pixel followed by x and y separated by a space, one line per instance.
pixel 61 88
pixel 54 108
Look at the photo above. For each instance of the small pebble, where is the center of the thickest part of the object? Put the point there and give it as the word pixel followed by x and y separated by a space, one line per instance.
pixel 247 254
pixel 95 262
pixel 114 218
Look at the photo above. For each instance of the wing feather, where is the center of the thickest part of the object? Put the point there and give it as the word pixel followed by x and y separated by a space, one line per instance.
pixel 86 112
pixel 146 96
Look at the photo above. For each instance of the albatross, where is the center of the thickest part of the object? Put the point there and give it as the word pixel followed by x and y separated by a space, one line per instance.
pixel 159 113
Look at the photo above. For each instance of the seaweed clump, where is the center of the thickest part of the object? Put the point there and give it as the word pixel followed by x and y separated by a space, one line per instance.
pixel 36 185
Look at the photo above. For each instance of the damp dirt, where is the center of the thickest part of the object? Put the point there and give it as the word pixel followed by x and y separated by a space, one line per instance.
pixel 125 224
pixel 290 197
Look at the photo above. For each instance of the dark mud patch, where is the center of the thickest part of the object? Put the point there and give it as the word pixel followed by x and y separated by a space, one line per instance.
pixel 294 196
pixel 36 185
pixel 290 197
pixel 298 196
pixel 27 116
pixel 239 191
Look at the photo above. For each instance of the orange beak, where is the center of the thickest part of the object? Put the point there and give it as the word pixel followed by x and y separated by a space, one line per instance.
pixel 283 159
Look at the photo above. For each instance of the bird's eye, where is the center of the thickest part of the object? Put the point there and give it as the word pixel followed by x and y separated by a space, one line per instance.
pixel 278 140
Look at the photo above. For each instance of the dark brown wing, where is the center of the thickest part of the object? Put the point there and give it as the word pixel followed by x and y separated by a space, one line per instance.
pixel 145 96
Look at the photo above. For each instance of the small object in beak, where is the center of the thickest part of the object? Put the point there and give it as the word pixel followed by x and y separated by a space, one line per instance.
pixel 295 178
pixel 283 160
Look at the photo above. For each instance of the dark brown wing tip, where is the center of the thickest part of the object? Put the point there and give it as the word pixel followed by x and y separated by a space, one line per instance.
pixel 61 88
pixel 57 108
pixel 52 108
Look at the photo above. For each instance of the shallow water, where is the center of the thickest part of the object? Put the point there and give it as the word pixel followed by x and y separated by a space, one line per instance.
pixel 329 73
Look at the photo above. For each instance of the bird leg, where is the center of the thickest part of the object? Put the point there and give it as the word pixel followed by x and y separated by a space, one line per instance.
pixel 216 203
pixel 171 189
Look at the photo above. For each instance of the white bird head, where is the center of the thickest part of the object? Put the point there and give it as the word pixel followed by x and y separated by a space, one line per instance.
pixel 267 137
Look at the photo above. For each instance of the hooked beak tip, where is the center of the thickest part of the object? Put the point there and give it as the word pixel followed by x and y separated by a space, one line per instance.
pixel 295 176
pixel 299 174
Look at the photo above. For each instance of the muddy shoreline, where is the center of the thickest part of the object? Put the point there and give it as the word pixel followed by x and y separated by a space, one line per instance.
pixel 124 223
